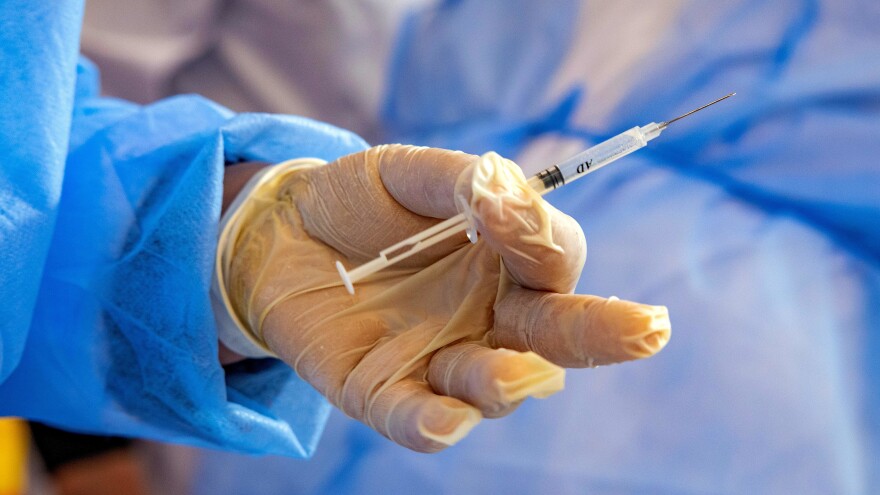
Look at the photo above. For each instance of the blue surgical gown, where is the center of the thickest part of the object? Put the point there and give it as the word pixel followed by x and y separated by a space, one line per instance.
pixel 108 215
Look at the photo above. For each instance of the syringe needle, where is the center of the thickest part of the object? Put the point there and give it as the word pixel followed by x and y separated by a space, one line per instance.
pixel 665 124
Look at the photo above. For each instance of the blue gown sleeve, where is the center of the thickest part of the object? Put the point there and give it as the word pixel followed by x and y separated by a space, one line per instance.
pixel 108 231
pixel 35 108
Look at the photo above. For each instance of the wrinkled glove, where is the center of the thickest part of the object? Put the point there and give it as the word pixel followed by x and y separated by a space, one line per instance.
pixel 427 347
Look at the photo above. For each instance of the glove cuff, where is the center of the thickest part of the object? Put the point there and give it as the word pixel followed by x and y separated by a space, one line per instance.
pixel 231 330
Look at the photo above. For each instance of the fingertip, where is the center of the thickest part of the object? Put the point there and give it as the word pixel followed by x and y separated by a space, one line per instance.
pixel 495 381
pixel 412 415
pixel 615 330
pixel 648 332
pixel 446 421
pixel 530 376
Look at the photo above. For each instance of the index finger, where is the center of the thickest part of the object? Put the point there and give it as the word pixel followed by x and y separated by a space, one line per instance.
pixel 542 248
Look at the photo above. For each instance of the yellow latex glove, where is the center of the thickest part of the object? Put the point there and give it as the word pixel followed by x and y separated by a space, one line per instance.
pixel 428 347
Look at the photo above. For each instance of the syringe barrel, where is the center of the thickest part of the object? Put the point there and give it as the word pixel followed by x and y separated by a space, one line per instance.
pixel 589 161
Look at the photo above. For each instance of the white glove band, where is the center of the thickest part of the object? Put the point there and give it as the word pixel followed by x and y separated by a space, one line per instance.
pixel 231 331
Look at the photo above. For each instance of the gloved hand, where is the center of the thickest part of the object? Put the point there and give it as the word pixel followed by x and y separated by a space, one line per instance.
pixel 425 348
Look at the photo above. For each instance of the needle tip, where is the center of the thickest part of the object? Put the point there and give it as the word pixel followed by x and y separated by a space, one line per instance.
pixel 698 109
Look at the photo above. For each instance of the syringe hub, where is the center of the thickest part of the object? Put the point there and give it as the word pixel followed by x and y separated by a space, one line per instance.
pixel 652 130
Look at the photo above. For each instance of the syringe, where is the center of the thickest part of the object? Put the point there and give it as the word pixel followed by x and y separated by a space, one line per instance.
pixel 545 181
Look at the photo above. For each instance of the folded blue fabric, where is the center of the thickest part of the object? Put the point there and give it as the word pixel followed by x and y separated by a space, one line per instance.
pixel 107 249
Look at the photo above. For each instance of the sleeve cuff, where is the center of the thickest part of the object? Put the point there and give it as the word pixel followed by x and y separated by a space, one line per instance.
pixel 231 330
